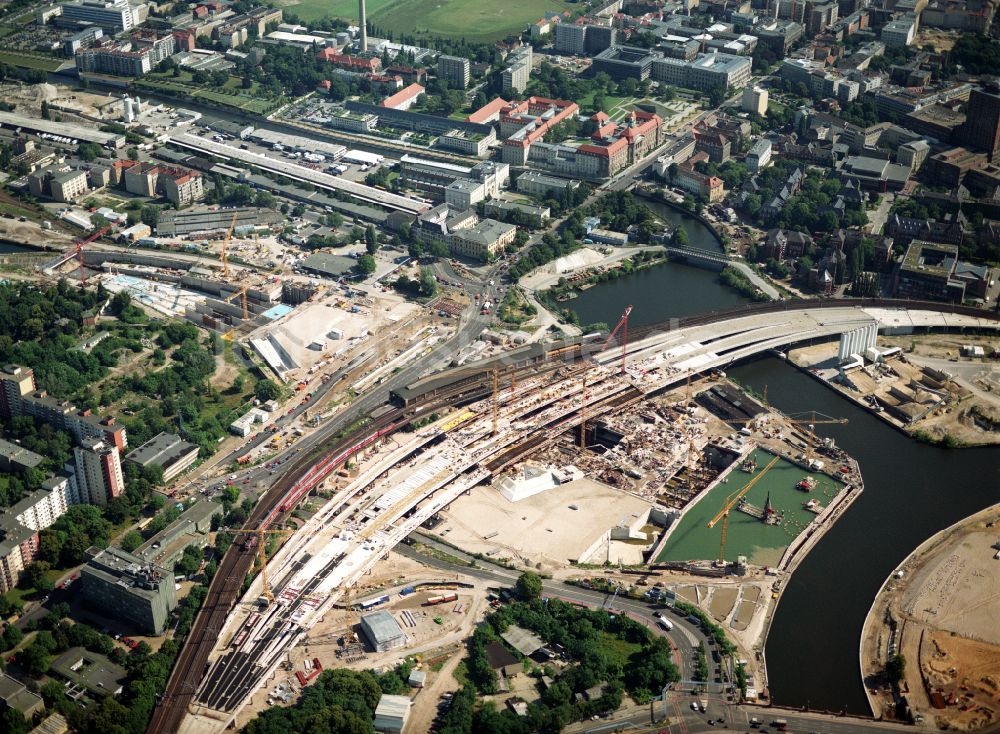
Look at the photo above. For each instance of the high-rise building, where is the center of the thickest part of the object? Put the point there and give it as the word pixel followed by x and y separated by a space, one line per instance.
pixel 755 100
pixel 98 471
pixel 123 585
pixel 455 70
pixel 363 25
pixel 982 123
pixel 15 383
pixel 571 38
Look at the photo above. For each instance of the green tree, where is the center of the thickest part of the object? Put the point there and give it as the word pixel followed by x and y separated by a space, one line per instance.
pixel 366 264
pixel 266 389
pixel 131 541
pixel 371 239
pixel 529 586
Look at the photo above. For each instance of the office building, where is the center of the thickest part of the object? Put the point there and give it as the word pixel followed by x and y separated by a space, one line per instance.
pixel 14 695
pixel 54 182
pixel 754 101
pixel 899 33
pixel 382 631
pixel 571 39
pixel 706 72
pixel 927 271
pixel 625 62
pixel 482 241
pixel 98 471
pixel 982 123
pixel 167 451
pixel 541 186
pixel 119 584
pixel 454 70
pixel 89 673
pixel 114 16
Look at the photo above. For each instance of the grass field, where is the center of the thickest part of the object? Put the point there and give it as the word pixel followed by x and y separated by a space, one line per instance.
pixel 474 20
pixel 29 62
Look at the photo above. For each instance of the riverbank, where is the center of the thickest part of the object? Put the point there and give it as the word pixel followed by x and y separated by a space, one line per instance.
pixel 937 610
pixel 925 402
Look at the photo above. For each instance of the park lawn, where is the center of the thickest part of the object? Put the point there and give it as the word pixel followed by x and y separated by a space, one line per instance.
pixel 474 20
pixel 618 650
pixel 29 62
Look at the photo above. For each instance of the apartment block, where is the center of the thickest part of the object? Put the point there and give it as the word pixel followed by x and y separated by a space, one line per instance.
pixel 455 70
pixel 518 72
pixel 53 182
pixel 98 471
pixel 121 585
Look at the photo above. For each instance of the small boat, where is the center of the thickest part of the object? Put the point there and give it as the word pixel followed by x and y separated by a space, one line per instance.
pixel 808 484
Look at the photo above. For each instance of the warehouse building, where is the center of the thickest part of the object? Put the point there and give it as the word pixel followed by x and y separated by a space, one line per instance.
pixel 121 585
pixel 166 450
pixel 391 714
pixel 382 631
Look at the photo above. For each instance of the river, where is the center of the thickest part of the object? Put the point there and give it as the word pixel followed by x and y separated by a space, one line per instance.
pixel 911 492
pixel 669 290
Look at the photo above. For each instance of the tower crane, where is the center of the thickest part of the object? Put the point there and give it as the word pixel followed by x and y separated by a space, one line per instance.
pixel 622 323
pixel 257 539
pixel 242 292
pixel 731 502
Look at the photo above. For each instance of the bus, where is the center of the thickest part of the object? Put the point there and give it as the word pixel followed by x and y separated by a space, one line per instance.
pixel 780 724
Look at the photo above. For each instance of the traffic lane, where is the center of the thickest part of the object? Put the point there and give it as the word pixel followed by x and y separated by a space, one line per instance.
pixel 589 597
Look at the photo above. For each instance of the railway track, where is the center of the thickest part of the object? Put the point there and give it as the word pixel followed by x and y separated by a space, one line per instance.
pixel 223 592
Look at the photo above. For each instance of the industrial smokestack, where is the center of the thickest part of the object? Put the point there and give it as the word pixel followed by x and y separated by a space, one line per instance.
pixel 363 22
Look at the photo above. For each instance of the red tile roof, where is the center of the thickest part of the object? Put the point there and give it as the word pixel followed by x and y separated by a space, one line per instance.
pixel 403 95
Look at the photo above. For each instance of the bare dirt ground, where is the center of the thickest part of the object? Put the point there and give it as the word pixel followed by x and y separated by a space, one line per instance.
pixel 946 608
pixel 970 413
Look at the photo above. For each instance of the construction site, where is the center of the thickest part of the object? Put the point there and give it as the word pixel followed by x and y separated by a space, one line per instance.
pixel 619 443
pixel 938 610
pixel 941 387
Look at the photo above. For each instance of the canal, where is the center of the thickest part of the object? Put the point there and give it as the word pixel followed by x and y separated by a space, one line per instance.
pixel 911 492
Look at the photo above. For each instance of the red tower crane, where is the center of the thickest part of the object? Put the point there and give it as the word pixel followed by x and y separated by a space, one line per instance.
pixel 621 324
pixel 79 251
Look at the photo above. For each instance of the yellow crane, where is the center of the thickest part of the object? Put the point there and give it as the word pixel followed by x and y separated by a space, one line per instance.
pixel 225 243
pixel 260 536
pixel 242 293
pixel 731 502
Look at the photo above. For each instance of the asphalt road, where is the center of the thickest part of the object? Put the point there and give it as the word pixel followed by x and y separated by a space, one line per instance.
pixel 684 638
